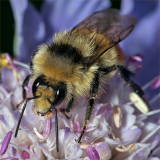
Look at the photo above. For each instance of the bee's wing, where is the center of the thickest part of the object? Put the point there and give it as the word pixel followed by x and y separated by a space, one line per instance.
pixel 109 27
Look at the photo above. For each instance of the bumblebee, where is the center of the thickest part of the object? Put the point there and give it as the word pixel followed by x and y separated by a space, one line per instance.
pixel 77 62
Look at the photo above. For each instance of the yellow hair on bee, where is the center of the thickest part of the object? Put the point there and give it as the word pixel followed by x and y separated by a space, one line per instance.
pixel 60 68
pixel 82 42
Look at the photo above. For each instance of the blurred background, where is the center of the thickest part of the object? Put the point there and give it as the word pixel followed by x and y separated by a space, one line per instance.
pixel 7 23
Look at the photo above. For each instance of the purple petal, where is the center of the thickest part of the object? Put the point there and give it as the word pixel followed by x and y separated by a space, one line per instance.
pixel 25 154
pixel 92 153
pixel 62 15
pixel 109 113
pixel 103 150
pixel 156 83
pixel 29 27
pixel 142 154
pixel 14 151
pixel 156 141
pixel 3 120
pixel 136 58
pixel 47 127
pixel 156 152
pixel 9 81
pixel 131 135
pixel 66 132
pixel 101 110
pixel 5 143
pixel 77 126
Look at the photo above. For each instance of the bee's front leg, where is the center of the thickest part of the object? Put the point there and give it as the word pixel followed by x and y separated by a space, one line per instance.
pixel 68 108
pixel 24 93
pixel 93 92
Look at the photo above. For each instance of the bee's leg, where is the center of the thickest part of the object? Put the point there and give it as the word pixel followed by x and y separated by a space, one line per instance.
pixel 68 108
pixel 126 75
pixel 93 92
pixel 24 84
pixel 24 93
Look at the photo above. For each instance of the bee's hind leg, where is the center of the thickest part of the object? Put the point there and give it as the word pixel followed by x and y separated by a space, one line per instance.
pixel 127 76
pixel 93 92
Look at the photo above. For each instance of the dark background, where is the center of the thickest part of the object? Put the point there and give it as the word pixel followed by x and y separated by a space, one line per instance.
pixel 7 23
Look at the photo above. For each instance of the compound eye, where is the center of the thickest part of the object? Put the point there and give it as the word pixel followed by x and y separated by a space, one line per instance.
pixel 36 84
pixel 60 94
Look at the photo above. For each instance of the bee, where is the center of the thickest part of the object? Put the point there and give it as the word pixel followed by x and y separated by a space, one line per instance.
pixel 76 63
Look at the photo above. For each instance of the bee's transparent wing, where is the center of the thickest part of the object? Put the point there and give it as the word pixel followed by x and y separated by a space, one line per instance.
pixel 109 27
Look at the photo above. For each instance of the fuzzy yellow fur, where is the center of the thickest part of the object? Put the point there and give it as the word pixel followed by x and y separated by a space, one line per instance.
pixel 58 69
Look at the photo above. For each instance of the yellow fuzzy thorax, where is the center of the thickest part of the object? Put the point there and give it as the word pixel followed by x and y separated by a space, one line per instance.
pixel 61 69
pixel 56 68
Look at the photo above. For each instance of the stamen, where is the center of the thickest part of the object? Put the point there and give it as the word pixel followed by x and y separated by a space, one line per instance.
pixel 154 99
pixel 138 102
pixel 84 146
pixel 10 61
pixel 38 134
pixel 21 64
pixel 150 135
pixel 143 116
pixel 9 158
pixel 47 127
pixel 52 146
pixel 156 83
pixel 150 83
pixel 117 116
pixel 122 148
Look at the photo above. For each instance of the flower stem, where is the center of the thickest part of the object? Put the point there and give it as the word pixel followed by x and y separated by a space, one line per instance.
pixel 154 99
pixel 21 64
pixel 150 135
pixel 149 83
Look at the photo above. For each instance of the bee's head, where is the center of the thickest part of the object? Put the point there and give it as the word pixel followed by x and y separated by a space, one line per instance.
pixel 50 95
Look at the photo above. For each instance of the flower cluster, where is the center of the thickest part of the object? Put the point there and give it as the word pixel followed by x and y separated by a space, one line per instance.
pixel 117 130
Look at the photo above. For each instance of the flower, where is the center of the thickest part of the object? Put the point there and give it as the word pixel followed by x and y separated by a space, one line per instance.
pixel 116 129
pixel 5 143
